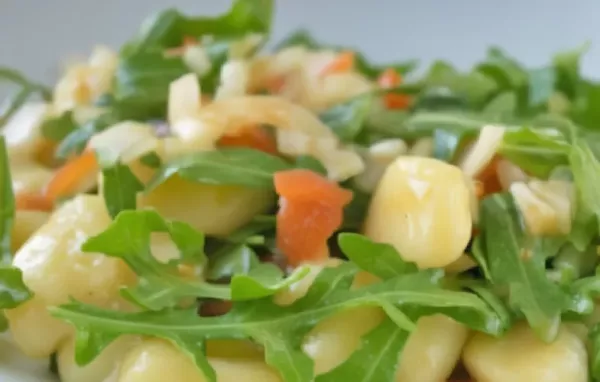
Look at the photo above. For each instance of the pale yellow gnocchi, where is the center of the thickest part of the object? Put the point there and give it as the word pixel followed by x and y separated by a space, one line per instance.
pixel 55 269
pixel 520 356
pixel 158 361
pixel 212 209
pixel 422 207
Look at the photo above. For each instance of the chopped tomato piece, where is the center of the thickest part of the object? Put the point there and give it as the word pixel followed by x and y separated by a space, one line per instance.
pixel 33 202
pixel 308 186
pixel 389 78
pixel 253 136
pixel 311 209
pixel 73 176
pixel 397 101
pixel 488 179
pixel 344 62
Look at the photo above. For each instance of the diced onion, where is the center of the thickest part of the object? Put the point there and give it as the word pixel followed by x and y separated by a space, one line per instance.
pixel 484 149
pixel 540 218
pixel 184 99
pixel 124 141
pixel 196 58
pixel 508 173
pixel 234 80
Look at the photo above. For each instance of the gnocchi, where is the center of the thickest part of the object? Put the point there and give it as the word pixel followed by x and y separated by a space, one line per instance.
pixel 158 361
pixel 520 356
pixel 422 207
pixel 55 269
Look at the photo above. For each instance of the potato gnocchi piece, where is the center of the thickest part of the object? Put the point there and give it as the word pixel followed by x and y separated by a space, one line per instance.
pixel 334 339
pixel 158 361
pixel 435 346
pixel 26 224
pixel 520 356
pixel 28 176
pixel 212 209
pixel 55 269
pixel 99 370
pixel 422 207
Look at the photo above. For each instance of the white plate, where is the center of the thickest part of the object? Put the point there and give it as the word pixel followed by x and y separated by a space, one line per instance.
pixel 15 367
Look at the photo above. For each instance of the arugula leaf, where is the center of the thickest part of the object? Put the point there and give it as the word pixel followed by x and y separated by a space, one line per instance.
pixel 151 160
pixel 231 261
pixel 502 107
pixel 513 264
pixel 239 166
pixel 7 204
pixel 380 259
pixel 586 175
pixel 302 37
pixel 375 360
pixel 58 128
pixel 567 65
pixel 594 340
pixel 120 188
pixel 310 163
pixel 356 211
pixel 542 82
pixel 13 290
pixel 161 284
pixel 168 28
pixel 76 140
pixel 347 119
pixel 506 71
pixel 279 329
pixel 26 89
pixel 447 142
pixel 535 151
pixel 142 80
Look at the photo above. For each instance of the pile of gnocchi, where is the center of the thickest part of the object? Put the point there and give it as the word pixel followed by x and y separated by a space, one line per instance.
pixel 194 208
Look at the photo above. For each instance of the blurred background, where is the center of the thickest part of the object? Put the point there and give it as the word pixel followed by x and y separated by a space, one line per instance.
pixel 35 35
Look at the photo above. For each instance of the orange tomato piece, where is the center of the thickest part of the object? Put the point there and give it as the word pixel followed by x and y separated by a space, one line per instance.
pixel 33 202
pixel 488 179
pixel 344 62
pixel 75 174
pixel 397 101
pixel 307 186
pixel 311 209
pixel 389 78
pixel 253 137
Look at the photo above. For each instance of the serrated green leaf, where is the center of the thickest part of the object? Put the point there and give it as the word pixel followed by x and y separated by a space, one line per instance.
pixel 310 163
pixel 167 29
pixel 586 174
pixel 375 360
pixel 281 329
pixel 120 189
pixel 13 290
pixel 243 167
pixel 513 264
pixel 160 284
pixel 58 128
pixel 7 205
pixel 347 119
pixel 380 259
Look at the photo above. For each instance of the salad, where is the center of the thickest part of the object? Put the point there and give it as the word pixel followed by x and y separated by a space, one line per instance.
pixel 199 207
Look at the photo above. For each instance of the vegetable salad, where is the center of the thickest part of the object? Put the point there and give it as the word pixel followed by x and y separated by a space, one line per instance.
pixel 197 207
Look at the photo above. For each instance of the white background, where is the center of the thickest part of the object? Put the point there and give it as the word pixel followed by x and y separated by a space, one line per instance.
pixel 36 34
